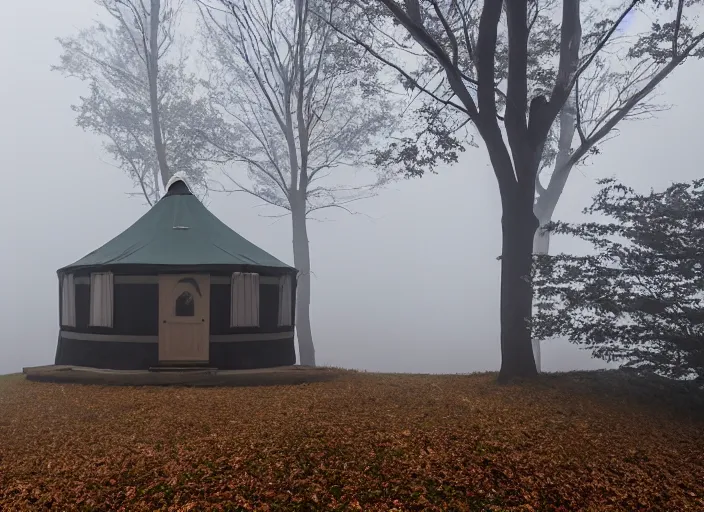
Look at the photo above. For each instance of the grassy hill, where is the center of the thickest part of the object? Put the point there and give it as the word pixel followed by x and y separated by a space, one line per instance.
pixel 593 441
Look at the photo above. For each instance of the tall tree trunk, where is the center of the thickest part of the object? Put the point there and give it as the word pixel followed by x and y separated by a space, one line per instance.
pixel 301 260
pixel 153 73
pixel 545 206
pixel 518 225
pixel 541 241
pixel 541 245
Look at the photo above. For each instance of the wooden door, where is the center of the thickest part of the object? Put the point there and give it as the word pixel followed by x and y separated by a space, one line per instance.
pixel 184 318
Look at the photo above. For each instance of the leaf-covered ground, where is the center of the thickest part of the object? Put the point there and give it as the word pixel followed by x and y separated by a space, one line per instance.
pixel 361 442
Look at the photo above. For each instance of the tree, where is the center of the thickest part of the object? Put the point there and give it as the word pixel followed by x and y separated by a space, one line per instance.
pixel 639 297
pixel 616 87
pixel 141 97
pixel 295 108
pixel 508 69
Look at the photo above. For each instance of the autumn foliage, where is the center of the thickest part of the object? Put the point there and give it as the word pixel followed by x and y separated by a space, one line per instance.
pixel 590 441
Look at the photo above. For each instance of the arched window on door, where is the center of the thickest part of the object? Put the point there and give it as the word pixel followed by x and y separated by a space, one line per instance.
pixel 185 305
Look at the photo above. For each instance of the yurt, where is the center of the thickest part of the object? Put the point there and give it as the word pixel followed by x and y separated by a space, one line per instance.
pixel 177 288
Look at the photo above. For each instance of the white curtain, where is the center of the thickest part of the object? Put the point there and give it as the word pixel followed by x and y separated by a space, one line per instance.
pixel 285 298
pixel 101 299
pixel 244 311
pixel 68 301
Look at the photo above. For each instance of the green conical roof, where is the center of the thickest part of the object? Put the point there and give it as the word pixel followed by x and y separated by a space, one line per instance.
pixel 178 231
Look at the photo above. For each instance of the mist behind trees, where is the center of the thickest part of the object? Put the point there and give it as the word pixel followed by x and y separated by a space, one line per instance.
pixel 409 284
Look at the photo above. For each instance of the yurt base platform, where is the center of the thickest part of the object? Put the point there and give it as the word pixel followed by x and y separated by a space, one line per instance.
pixel 282 375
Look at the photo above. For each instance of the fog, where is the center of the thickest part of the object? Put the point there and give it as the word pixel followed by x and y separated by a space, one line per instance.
pixel 409 284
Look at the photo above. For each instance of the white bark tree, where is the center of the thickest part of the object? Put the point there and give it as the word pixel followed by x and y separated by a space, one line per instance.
pixel 615 88
pixel 298 112
pixel 141 97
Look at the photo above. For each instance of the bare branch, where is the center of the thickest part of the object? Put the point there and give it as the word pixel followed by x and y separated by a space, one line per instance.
pixel 580 130
pixel 400 70
pixel 517 88
pixel 323 122
pixel 433 48
pixel 486 48
pixel 567 72
pixel 450 33
pixel 604 40
pixel 678 21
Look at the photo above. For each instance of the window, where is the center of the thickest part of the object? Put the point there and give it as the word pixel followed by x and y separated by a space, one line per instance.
pixel 185 305
pixel 244 311
pixel 101 299
pixel 285 301
pixel 68 301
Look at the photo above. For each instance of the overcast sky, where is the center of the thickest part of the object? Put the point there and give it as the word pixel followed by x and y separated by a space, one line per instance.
pixel 411 284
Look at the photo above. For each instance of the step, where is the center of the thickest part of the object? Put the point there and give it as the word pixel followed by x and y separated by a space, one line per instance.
pixel 176 369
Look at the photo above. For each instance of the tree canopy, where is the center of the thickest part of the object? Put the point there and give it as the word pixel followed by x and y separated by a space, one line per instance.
pixel 514 72
pixel 296 107
pixel 128 94
pixel 639 297
pixel 615 65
